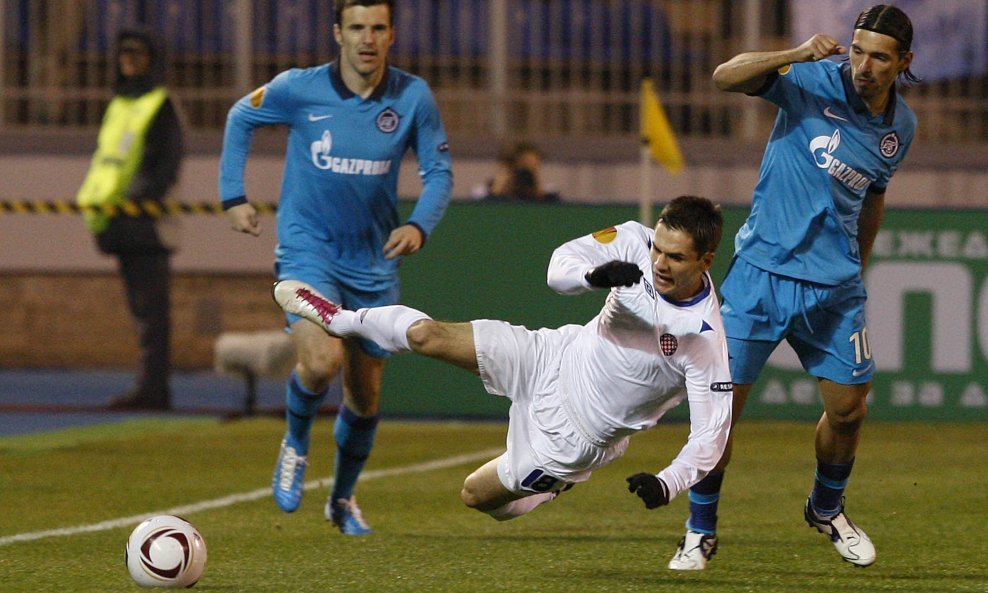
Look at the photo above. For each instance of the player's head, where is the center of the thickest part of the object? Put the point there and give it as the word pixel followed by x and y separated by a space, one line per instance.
pixel 364 30
pixel 140 62
pixel 686 238
pixel 342 5
pixel 881 50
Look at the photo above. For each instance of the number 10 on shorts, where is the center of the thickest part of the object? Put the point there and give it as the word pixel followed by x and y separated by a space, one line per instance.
pixel 862 351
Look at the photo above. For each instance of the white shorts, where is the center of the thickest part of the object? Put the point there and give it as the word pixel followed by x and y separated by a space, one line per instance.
pixel 545 451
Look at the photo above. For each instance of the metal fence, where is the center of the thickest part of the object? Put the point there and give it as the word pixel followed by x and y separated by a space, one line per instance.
pixel 567 70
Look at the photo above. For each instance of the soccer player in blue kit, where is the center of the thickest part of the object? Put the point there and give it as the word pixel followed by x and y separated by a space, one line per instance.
pixel 351 122
pixel 842 130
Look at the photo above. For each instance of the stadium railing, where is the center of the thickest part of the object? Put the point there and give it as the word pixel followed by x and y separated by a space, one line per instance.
pixel 560 71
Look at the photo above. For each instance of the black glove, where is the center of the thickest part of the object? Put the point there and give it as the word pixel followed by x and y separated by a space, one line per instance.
pixel 614 273
pixel 649 488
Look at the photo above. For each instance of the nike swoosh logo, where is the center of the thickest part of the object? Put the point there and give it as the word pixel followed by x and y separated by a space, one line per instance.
pixel 859 372
pixel 831 114
pixel 314 117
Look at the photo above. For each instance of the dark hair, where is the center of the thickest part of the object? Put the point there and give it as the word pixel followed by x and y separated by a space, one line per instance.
pixel 342 5
pixel 889 20
pixel 526 147
pixel 508 153
pixel 698 217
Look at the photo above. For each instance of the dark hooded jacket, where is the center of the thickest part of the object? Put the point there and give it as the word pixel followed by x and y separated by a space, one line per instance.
pixel 163 151
pixel 164 145
pixel 135 86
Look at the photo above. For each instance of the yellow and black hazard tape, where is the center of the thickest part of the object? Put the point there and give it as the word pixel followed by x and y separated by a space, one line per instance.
pixel 133 209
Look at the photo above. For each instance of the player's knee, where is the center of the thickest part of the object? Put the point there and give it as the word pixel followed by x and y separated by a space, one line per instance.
pixel 848 419
pixel 317 366
pixel 470 496
pixel 316 374
pixel 473 495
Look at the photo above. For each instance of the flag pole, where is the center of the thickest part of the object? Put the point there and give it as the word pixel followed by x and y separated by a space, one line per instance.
pixel 645 186
pixel 658 144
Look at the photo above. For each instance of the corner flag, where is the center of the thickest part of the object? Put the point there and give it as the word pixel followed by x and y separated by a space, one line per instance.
pixel 656 131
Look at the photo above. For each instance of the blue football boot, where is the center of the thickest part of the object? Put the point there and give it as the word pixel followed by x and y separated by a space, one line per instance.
pixel 346 515
pixel 289 476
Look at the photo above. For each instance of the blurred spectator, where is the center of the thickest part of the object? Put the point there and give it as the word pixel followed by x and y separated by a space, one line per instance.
pixel 519 176
pixel 138 155
pixel 55 29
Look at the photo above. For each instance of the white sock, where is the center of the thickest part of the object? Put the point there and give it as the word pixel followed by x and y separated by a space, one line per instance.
pixel 387 326
pixel 522 506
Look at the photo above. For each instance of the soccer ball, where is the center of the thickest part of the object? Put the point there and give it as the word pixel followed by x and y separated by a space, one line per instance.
pixel 166 551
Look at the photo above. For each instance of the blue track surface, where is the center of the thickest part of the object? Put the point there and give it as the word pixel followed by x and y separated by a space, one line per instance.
pixel 34 400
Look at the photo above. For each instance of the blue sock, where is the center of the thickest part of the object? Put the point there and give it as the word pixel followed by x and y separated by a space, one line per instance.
pixel 354 439
pixel 704 497
pixel 828 487
pixel 301 406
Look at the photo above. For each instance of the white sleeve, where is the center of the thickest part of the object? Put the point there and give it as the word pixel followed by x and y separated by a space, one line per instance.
pixel 572 260
pixel 709 393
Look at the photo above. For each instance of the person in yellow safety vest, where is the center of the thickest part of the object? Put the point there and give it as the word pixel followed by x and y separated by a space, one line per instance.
pixel 137 160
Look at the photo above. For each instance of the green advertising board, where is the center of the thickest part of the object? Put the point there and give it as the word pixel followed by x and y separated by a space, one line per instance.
pixel 927 314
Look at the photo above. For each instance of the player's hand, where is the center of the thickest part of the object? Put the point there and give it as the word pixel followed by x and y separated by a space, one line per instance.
pixel 820 46
pixel 243 219
pixel 404 240
pixel 649 488
pixel 614 273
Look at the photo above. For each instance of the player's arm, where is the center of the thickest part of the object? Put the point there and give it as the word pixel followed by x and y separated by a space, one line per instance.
pixel 869 221
pixel 436 171
pixel 709 393
pixel 267 105
pixel 243 218
pixel 404 240
pixel 601 260
pixel 748 72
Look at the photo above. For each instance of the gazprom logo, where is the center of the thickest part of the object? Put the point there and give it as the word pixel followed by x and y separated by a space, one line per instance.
pixel 320 150
pixel 823 149
pixel 322 160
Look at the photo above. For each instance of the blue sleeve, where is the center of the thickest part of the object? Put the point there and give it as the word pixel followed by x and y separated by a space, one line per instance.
pixel 432 151
pixel 268 105
pixel 785 88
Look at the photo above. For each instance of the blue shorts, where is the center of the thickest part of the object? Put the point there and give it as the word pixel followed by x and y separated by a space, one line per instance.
pixel 824 324
pixel 341 293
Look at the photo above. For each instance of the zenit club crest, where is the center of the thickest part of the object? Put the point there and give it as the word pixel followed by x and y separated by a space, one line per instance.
pixel 889 145
pixel 387 121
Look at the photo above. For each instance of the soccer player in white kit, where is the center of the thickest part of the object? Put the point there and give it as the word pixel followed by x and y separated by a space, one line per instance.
pixel 578 392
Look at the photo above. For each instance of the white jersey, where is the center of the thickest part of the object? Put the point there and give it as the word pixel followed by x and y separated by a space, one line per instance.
pixel 643 354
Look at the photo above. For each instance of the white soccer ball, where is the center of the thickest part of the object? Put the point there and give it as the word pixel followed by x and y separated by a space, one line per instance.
pixel 166 551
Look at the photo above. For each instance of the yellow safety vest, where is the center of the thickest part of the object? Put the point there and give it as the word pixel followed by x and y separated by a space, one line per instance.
pixel 119 151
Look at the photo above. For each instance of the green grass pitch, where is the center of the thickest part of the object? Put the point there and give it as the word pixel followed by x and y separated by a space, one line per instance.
pixel 919 490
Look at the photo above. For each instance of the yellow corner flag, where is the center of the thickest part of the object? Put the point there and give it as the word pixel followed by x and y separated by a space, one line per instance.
pixel 657 132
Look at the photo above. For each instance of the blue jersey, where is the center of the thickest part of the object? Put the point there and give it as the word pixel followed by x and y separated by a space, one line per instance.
pixel 825 153
pixel 338 201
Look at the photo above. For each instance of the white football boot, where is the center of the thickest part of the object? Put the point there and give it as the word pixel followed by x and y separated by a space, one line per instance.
pixel 694 550
pixel 851 542
pixel 298 298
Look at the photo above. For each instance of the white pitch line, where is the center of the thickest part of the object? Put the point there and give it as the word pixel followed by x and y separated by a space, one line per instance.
pixel 226 501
